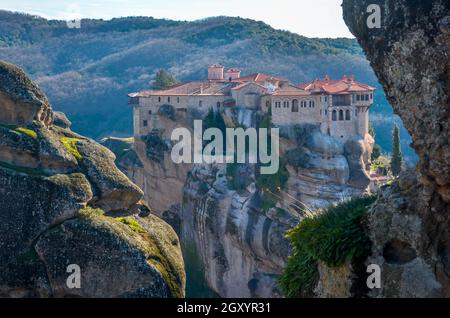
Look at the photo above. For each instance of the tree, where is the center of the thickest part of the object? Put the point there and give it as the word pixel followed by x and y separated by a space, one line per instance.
pixel 376 152
pixel 163 80
pixel 397 156
pixel 371 130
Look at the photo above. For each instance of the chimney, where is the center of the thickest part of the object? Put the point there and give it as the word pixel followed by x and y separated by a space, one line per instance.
pixel 352 78
pixel 215 72
pixel 232 74
pixel 327 77
pixel 345 78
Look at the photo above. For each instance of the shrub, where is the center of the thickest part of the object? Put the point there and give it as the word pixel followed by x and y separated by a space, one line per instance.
pixel 155 147
pixel 335 236
pixel 297 158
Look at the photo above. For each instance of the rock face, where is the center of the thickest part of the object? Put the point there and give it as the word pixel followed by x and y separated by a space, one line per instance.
pixel 22 101
pixel 409 224
pixel 242 248
pixel 229 239
pixel 63 201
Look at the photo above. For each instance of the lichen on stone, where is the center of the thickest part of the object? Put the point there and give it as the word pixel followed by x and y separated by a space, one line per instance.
pixel 71 146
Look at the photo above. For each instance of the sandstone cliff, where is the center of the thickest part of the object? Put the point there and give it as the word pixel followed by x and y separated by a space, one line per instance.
pixel 63 201
pixel 410 222
pixel 232 231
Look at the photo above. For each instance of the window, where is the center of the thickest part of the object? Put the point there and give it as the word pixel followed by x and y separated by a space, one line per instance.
pixel 218 104
pixel 168 99
pixel 200 103
pixel 326 98
pixel 347 115
pixel 312 104
pixel 341 115
pixel 149 112
pixel 178 99
pixel 145 123
pixel 371 96
pixel 267 103
pixel 295 106
pixel 285 104
pixel 134 100
pixel 356 112
pixel 358 98
pixel 303 104
pixel 334 115
pixel 326 112
pixel 159 99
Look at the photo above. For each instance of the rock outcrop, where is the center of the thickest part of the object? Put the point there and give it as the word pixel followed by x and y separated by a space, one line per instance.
pixel 231 237
pixel 63 202
pixel 410 223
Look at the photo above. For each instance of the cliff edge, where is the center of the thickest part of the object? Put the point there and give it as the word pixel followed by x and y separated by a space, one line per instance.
pixel 410 222
pixel 64 204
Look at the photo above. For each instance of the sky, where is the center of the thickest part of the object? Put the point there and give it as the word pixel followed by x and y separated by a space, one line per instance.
pixel 312 18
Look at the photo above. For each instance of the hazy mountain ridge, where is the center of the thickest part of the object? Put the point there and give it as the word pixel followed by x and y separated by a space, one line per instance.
pixel 87 72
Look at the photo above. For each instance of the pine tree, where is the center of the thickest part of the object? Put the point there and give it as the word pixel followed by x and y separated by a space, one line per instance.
pixel 397 156
pixel 163 80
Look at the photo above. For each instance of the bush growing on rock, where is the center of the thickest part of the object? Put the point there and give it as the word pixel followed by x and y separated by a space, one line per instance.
pixel 335 237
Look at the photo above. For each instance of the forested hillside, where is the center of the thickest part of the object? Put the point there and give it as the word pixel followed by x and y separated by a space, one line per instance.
pixel 87 72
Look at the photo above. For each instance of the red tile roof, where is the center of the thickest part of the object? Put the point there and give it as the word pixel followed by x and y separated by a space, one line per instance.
pixel 344 86
pixel 260 77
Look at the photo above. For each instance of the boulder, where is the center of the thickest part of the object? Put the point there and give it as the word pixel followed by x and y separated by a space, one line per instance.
pixel 22 101
pixel 50 181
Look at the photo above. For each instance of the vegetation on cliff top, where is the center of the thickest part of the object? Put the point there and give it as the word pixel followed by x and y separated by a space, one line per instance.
pixel 334 237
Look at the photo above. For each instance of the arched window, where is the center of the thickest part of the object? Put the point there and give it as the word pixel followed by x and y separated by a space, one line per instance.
pixel 311 104
pixel 267 103
pixel 295 106
pixel 285 104
pixel 347 115
pixel 334 115
pixel 341 115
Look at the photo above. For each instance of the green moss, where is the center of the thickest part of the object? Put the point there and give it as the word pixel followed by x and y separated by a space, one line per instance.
pixel 71 146
pixel 133 224
pixel 89 212
pixel 335 236
pixel 26 131
pixel 21 130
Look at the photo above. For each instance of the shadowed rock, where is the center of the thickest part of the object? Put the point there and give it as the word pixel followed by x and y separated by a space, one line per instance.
pixel 50 181
pixel 410 222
